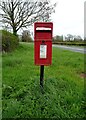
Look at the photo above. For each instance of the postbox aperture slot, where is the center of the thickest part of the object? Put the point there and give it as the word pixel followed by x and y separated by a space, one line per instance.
pixel 43 28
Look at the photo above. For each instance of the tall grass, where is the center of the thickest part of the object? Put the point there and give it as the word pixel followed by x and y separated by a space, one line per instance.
pixel 62 96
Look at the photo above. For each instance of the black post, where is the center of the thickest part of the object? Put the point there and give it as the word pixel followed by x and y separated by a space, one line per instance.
pixel 41 75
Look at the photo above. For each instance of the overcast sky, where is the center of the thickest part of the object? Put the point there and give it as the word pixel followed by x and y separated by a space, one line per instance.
pixel 69 17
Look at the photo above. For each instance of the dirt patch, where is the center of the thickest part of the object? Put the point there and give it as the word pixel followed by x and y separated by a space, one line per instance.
pixel 83 75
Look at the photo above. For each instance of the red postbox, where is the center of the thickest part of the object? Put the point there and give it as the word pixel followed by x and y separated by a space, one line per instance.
pixel 43 43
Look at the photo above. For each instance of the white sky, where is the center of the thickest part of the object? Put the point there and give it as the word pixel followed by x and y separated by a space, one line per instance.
pixel 69 17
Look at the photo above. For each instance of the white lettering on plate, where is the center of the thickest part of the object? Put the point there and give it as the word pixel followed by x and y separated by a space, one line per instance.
pixel 43 51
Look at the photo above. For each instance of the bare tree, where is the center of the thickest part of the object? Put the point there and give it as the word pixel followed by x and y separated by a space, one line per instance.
pixel 26 37
pixel 69 37
pixel 19 14
pixel 77 38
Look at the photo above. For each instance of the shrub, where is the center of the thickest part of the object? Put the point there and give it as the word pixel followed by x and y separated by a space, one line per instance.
pixel 9 41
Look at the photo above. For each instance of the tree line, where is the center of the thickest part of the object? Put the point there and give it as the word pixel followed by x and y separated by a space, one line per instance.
pixel 68 37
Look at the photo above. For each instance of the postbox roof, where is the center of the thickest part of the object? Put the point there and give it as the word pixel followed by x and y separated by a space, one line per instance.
pixel 45 25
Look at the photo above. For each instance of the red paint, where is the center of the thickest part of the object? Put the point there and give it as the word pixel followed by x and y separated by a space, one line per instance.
pixel 46 36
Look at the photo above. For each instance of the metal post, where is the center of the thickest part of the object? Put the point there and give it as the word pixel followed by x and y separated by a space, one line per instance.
pixel 41 75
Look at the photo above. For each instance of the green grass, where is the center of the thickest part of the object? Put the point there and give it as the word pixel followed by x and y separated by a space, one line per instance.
pixel 62 96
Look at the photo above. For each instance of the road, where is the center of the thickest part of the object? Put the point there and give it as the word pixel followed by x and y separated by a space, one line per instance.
pixel 72 48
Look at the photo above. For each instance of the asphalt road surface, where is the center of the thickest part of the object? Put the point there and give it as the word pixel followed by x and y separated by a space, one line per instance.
pixel 72 48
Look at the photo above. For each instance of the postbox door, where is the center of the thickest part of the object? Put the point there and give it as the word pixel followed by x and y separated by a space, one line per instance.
pixel 43 53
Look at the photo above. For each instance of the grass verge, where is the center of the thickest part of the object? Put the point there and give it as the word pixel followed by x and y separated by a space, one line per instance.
pixel 63 94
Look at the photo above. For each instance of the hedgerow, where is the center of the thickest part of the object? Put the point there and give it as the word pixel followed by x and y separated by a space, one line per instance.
pixel 9 41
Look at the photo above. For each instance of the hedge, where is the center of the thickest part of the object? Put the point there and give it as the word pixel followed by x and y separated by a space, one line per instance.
pixel 9 41
pixel 71 43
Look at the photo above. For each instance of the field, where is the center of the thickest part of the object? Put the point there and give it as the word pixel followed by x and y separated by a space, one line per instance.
pixel 63 93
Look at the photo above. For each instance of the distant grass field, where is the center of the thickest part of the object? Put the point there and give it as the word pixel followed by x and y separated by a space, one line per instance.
pixel 63 94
